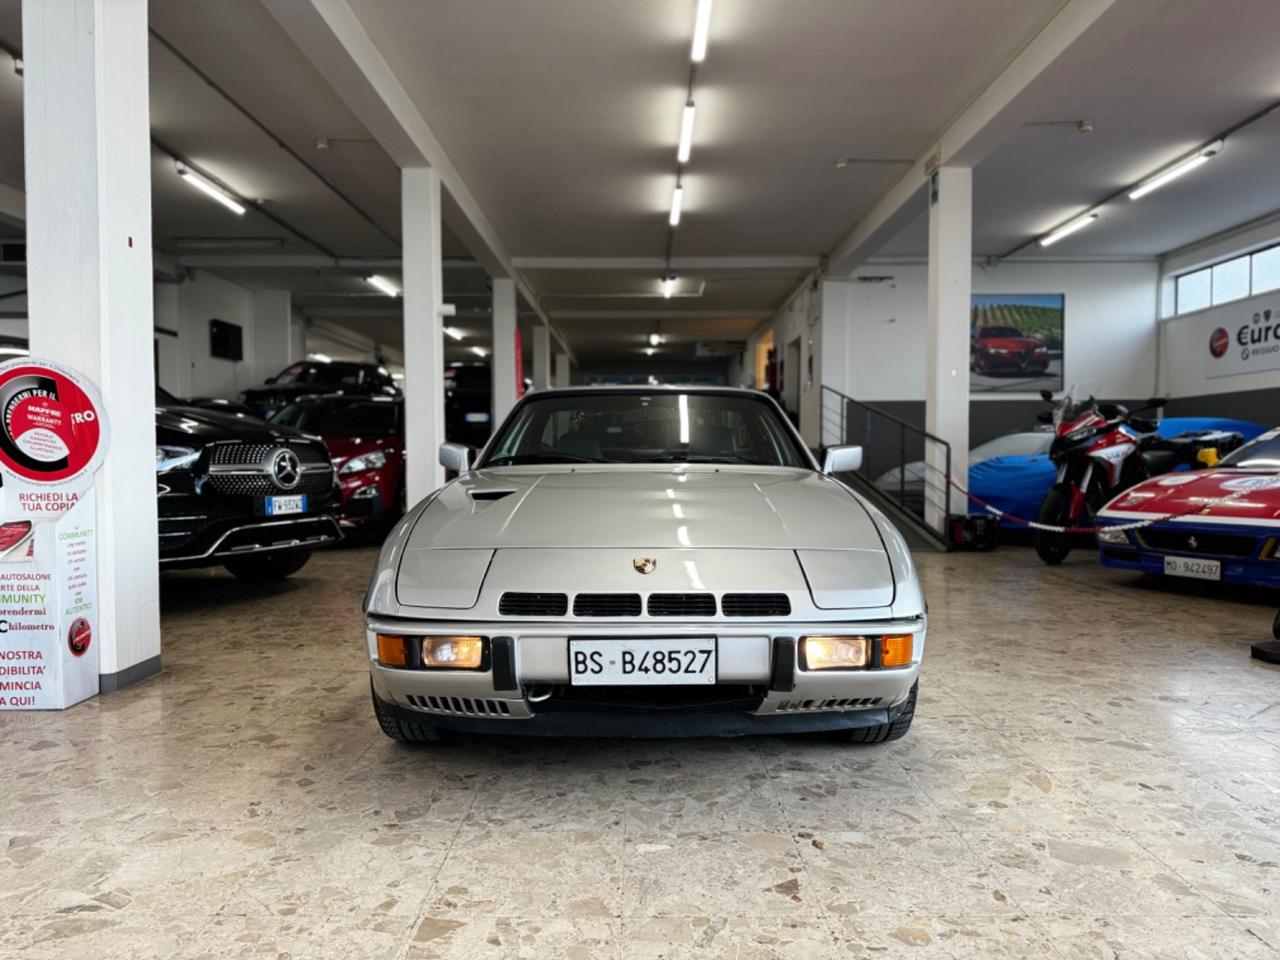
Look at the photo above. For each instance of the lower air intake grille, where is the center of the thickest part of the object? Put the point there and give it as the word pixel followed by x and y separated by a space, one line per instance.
pixel 606 605
pixel 791 706
pixel 682 605
pixel 464 706
pixel 533 605
pixel 755 605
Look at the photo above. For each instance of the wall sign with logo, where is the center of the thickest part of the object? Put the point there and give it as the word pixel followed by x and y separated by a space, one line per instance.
pixel 53 436
pixel 1242 338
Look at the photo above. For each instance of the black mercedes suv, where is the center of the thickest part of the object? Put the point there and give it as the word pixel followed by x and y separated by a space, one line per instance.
pixel 238 492
pixel 311 377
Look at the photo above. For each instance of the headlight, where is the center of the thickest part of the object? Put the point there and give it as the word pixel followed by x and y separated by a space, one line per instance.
pixel 834 653
pixel 431 653
pixel 366 461
pixel 1042 350
pixel 175 458
pixel 1079 434
pixel 1112 536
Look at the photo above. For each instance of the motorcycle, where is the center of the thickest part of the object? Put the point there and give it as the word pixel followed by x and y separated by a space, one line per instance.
pixel 1098 449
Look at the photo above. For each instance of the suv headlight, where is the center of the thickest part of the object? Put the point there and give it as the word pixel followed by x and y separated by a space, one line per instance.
pixel 1112 536
pixel 366 461
pixel 175 458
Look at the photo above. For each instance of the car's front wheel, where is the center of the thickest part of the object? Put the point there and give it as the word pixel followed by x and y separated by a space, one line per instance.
pixel 405 731
pixel 268 566
pixel 897 726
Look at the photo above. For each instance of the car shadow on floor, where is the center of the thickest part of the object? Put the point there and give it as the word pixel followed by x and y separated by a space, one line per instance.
pixel 193 590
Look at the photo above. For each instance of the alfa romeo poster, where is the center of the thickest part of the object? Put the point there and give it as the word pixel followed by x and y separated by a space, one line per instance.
pixel 1244 338
pixel 53 436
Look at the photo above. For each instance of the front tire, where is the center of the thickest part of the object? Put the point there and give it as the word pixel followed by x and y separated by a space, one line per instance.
pixel 1053 547
pixel 266 567
pixel 403 731
pixel 896 728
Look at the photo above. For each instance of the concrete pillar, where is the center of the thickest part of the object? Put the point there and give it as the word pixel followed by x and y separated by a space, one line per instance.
pixel 562 372
pixel 541 357
pixel 834 361
pixel 503 365
pixel 947 350
pixel 89 276
pixel 272 333
pixel 423 331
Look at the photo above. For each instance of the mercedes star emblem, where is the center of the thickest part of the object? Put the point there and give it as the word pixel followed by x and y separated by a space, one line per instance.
pixel 286 469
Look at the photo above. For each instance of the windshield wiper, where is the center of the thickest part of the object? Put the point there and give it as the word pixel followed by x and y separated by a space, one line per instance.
pixel 514 459
pixel 700 458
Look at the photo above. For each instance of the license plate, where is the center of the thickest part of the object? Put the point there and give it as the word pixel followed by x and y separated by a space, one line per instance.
pixel 278 505
pixel 642 662
pixel 1193 567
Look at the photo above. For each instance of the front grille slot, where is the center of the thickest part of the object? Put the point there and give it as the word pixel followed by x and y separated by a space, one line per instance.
pixel 682 605
pixel 1208 543
pixel 606 605
pixel 755 605
pixel 533 605
pixel 846 703
pixel 462 706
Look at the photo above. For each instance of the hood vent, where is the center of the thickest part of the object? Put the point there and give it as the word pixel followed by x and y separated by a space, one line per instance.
pixel 533 605
pixel 488 496
pixel 682 605
pixel 606 605
pixel 756 605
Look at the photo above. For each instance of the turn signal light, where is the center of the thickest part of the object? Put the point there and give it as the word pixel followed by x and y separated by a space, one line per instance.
pixel 896 650
pixel 392 651
pixel 453 653
pixel 834 653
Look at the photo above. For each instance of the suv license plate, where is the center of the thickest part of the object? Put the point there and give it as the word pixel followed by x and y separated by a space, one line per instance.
pixel 279 505
pixel 617 663
pixel 1193 567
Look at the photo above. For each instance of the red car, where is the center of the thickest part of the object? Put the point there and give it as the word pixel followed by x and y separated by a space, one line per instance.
pixel 997 350
pixel 365 437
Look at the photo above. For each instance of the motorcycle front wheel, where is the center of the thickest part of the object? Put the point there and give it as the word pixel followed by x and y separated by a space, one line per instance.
pixel 1053 547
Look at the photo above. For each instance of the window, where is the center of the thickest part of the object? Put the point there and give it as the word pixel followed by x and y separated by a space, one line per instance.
pixel 1193 291
pixel 1266 270
pixel 1231 280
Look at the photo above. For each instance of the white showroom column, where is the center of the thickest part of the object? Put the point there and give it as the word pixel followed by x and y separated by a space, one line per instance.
pixel 423 331
pixel 541 357
pixel 562 371
pixel 89 277
pixel 947 349
pixel 272 333
pixel 503 369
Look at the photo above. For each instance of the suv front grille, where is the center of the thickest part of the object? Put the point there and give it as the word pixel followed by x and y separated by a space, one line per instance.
pixel 533 605
pixel 755 605
pixel 682 605
pixel 255 454
pixel 244 469
pixel 606 605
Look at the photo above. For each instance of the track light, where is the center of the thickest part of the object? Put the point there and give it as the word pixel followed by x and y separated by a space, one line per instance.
pixel 1169 174
pixel 453 333
pixel 701 27
pixel 677 202
pixel 1079 223
pixel 383 285
pixel 668 288
pixel 686 134
pixel 210 189
pixel 655 339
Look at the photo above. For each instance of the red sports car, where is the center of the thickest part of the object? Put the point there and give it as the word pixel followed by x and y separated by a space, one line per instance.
pixel 365 437
pixel 997 350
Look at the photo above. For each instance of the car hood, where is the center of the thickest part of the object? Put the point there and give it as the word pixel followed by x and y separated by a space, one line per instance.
pixel 1256 496
pixel 342 448
pixel 1010 343
pixel 646 508
pixel 183 425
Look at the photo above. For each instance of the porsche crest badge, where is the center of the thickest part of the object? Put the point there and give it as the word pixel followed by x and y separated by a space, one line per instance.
pixel 645 564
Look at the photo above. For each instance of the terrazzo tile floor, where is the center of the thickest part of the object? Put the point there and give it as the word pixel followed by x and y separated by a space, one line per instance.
pixel 1094 772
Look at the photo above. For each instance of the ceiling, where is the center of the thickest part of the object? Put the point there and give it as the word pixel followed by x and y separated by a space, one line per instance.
pixel 562 118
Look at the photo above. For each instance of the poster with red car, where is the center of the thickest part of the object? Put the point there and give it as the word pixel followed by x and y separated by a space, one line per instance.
pixel 53 436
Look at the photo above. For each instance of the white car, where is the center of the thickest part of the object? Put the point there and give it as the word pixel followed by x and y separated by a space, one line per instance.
pixel 645 562
pixel 906 483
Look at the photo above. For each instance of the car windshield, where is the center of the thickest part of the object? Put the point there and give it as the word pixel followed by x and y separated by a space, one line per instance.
pixel 341 418
pixel 1262 453
pixel 344 373
pixel 985 332
pixel 639 427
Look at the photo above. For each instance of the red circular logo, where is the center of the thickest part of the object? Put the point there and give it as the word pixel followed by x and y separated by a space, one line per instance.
pixel 1219 341
pixel 51 427
pixel 79 636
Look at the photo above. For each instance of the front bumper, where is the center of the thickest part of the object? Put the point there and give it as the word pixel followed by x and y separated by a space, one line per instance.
pixel 1258 566
pixel 759 689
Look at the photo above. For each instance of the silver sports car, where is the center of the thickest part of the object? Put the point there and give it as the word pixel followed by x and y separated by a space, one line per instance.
pixel 645 562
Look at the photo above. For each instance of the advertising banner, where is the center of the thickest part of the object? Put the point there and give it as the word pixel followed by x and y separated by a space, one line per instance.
pixel 1244 338
pixel 53 436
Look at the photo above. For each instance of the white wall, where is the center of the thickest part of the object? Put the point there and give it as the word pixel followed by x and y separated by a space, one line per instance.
pixel 1109 336
pixel 1184 342
pixel 200 299
pixel 799 317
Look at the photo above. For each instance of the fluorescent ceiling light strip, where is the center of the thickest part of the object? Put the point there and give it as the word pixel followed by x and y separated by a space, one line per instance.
pixel 1067 229
pixel 1172 173
pixel 684 423
pixel 686 134
pixel 701 28
pixel 453 333
pixel 211 190
pixel 383 285
pixel 677 203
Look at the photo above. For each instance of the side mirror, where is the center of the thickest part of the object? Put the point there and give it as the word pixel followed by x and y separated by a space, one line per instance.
pixel 842 460
pixel 1045 416
pixel 455 457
